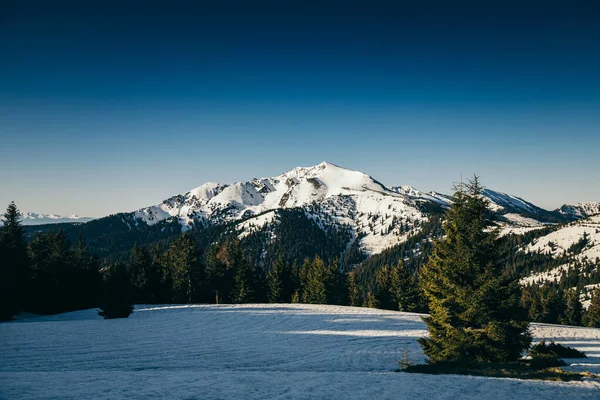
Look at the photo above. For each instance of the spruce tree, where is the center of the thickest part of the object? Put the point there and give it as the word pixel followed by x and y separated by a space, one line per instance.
pixel 315 277
pixel 385 292
pixel 592 316
pixel 242 291
pixel 573 311
pixel 116 300
pixel 184 267
pixel 140 270
pixel 474 306
pixel 354 297
pixel 275 281
pixel 13 264
pixel 406 295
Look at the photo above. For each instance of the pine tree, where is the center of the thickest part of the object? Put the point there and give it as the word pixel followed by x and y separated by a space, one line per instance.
pixel 13 264
pixel 315 276
pixel 184 268
pixel 474 307
pixel 592 316
pixel 242 291
pixel 385 292
pixel 406 295
pixel 573 311
pixel 275 281
pixel 370 301
pixel 354 297
pixel 84 279
pixel 116 300
pixel 140 270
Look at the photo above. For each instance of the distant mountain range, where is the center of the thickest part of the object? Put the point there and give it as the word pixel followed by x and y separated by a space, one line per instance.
pixel 43 219
pixel 346 215
pixel 378 216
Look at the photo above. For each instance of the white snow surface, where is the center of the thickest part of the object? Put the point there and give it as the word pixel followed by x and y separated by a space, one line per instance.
pixel 272 351
pixel 559 241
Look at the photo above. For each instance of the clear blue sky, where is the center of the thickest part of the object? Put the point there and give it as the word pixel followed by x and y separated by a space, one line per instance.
pixel 116 106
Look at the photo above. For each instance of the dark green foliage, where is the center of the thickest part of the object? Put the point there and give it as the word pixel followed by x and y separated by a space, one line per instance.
pixel 111 238
pixel 474 306
pixel 592 316
pixel 13 264
pixel 62 278
pixel 354 294
pixel 573 308
pixel 182 269
pixel 315 277
pixel 116 300
pixel 395 289
pixel 543 304
pixel 296 237
pixel 243 279
pixel 555 349
pixel 541 368
pixel 275 282
pixel 545 360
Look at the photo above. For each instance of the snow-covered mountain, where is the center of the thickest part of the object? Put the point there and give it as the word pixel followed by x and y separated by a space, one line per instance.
pixel 378 216
pixel 580 210
pixel 577 244
pixel 30 218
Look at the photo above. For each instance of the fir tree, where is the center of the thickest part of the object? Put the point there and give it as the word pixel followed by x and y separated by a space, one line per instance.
pixel 85 278
pixel 405 290
pixel 242 280
pixel 354 297
pixel 474 307
pixel 116 300
pixel 275 281
pixel 13 264
pixel 184 268
pixel 385 290
pixel 592 316
pixel 140 272
pixel 573 311
pixel 315 276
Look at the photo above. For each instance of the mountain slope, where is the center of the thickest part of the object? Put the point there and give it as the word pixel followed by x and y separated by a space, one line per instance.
pixel 576 247
pixel 580 210
pixel 328 194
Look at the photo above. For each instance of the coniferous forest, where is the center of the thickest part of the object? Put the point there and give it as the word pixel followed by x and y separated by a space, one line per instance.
pixel 68 267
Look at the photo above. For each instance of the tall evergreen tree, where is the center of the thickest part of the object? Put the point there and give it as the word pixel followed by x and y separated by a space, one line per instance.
pixel 243 279
pixel 574 310
pixel 13 264
pixel 354 296
pixel 275 281
pixel 474 306
pixel 85 279
pixel 385 292
pixel 140 269
pixel 215 270
pixel 405 290
pixel 315 277
pixel 117 295
pixel 184 268
pixel 592 316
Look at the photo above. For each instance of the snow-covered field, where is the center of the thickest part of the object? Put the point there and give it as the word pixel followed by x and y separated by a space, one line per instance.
pixel 250 352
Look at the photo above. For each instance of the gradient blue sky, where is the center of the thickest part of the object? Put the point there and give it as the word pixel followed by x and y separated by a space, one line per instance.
pixel 111 106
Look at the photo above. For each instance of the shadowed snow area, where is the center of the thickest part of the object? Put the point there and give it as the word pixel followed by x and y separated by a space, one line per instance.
pixel 250 352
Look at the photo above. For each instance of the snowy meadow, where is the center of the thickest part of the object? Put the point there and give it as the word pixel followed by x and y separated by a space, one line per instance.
pixel 280 351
